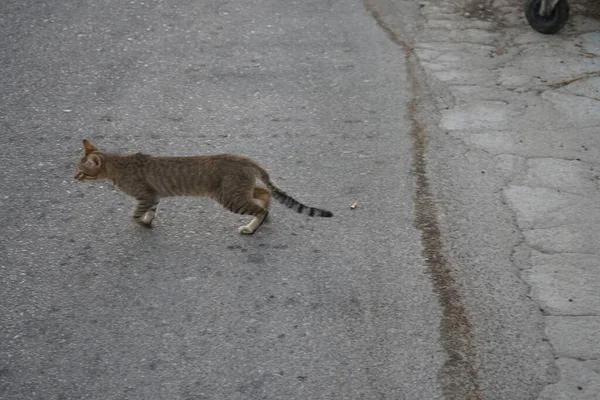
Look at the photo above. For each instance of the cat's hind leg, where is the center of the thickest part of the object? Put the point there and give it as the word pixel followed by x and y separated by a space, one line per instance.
pixel 256 222
pixel 250 207
pixel 240 195
pixel 261 196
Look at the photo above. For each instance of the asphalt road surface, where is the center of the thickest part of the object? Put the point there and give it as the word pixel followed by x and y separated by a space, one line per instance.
pixel 94 307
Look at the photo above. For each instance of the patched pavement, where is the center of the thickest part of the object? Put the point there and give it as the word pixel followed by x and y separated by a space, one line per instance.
pixel 532 102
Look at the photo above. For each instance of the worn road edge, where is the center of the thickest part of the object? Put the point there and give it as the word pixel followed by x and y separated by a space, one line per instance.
pixel 458 377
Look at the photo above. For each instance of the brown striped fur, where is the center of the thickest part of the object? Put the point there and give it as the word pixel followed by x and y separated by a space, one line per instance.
pixel 236 182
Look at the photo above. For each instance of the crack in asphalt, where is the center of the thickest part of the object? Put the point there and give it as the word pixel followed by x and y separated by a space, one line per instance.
pixel 458 376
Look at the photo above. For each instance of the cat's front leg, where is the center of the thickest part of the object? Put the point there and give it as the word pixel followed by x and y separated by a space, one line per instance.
pixel 145 211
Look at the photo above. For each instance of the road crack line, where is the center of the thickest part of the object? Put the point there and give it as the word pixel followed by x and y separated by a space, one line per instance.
pixel 457 377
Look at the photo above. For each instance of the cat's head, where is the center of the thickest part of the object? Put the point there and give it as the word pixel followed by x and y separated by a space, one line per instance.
pixel 90 165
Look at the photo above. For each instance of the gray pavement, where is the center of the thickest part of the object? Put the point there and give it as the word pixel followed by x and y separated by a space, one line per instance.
pixel 93 307
pixel 519 114
pixel 468 271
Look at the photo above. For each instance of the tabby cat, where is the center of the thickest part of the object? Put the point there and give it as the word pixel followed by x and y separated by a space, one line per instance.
pixel 238 183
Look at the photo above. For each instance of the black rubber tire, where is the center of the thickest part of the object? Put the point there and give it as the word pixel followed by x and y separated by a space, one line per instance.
pixel 550 24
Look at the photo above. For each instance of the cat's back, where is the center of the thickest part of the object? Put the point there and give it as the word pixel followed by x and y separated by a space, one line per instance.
pixel 194 175
pixel 207 163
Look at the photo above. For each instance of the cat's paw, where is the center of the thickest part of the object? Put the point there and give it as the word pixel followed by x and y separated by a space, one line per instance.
pixel 245 230
pixel 144 224
pixel 148 218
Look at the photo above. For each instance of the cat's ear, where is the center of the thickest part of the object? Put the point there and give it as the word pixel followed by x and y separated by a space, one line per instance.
pixel 94 161
pixel 88 147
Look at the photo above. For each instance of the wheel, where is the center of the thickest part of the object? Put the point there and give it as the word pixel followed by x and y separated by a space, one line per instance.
pixel 550 24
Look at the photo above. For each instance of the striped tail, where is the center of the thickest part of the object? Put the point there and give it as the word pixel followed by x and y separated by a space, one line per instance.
pixel 294 204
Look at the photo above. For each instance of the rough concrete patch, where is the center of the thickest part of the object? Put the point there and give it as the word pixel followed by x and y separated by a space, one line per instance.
pixel 469 48
pixel 564 175
pixel 509 166
pixel 437 10
pixel 575 337
pixel 577 110
pixel 469 93
pixel 551 111
pixel 513 77
pixel 454 61
pixel 551 78
pixel 589 8
pixel 577 382
pixel 464 24
pixel 474 36
pixel 589 87
pixel 482 115
pixel 584 24
pixel 503 3
pixel 578 144
pixel 565 284
pixel 455 77
pixel 565 239
pixel 591 42
pixel 427 55
pixel 527 37
pixel 527 69
pixel 548 208
pixel 436 67
pixel 441 24
pixel 555 47
pixel 593 365
pixel 450 61
pixel 451 57
pixel 480 9
pixel 492 142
